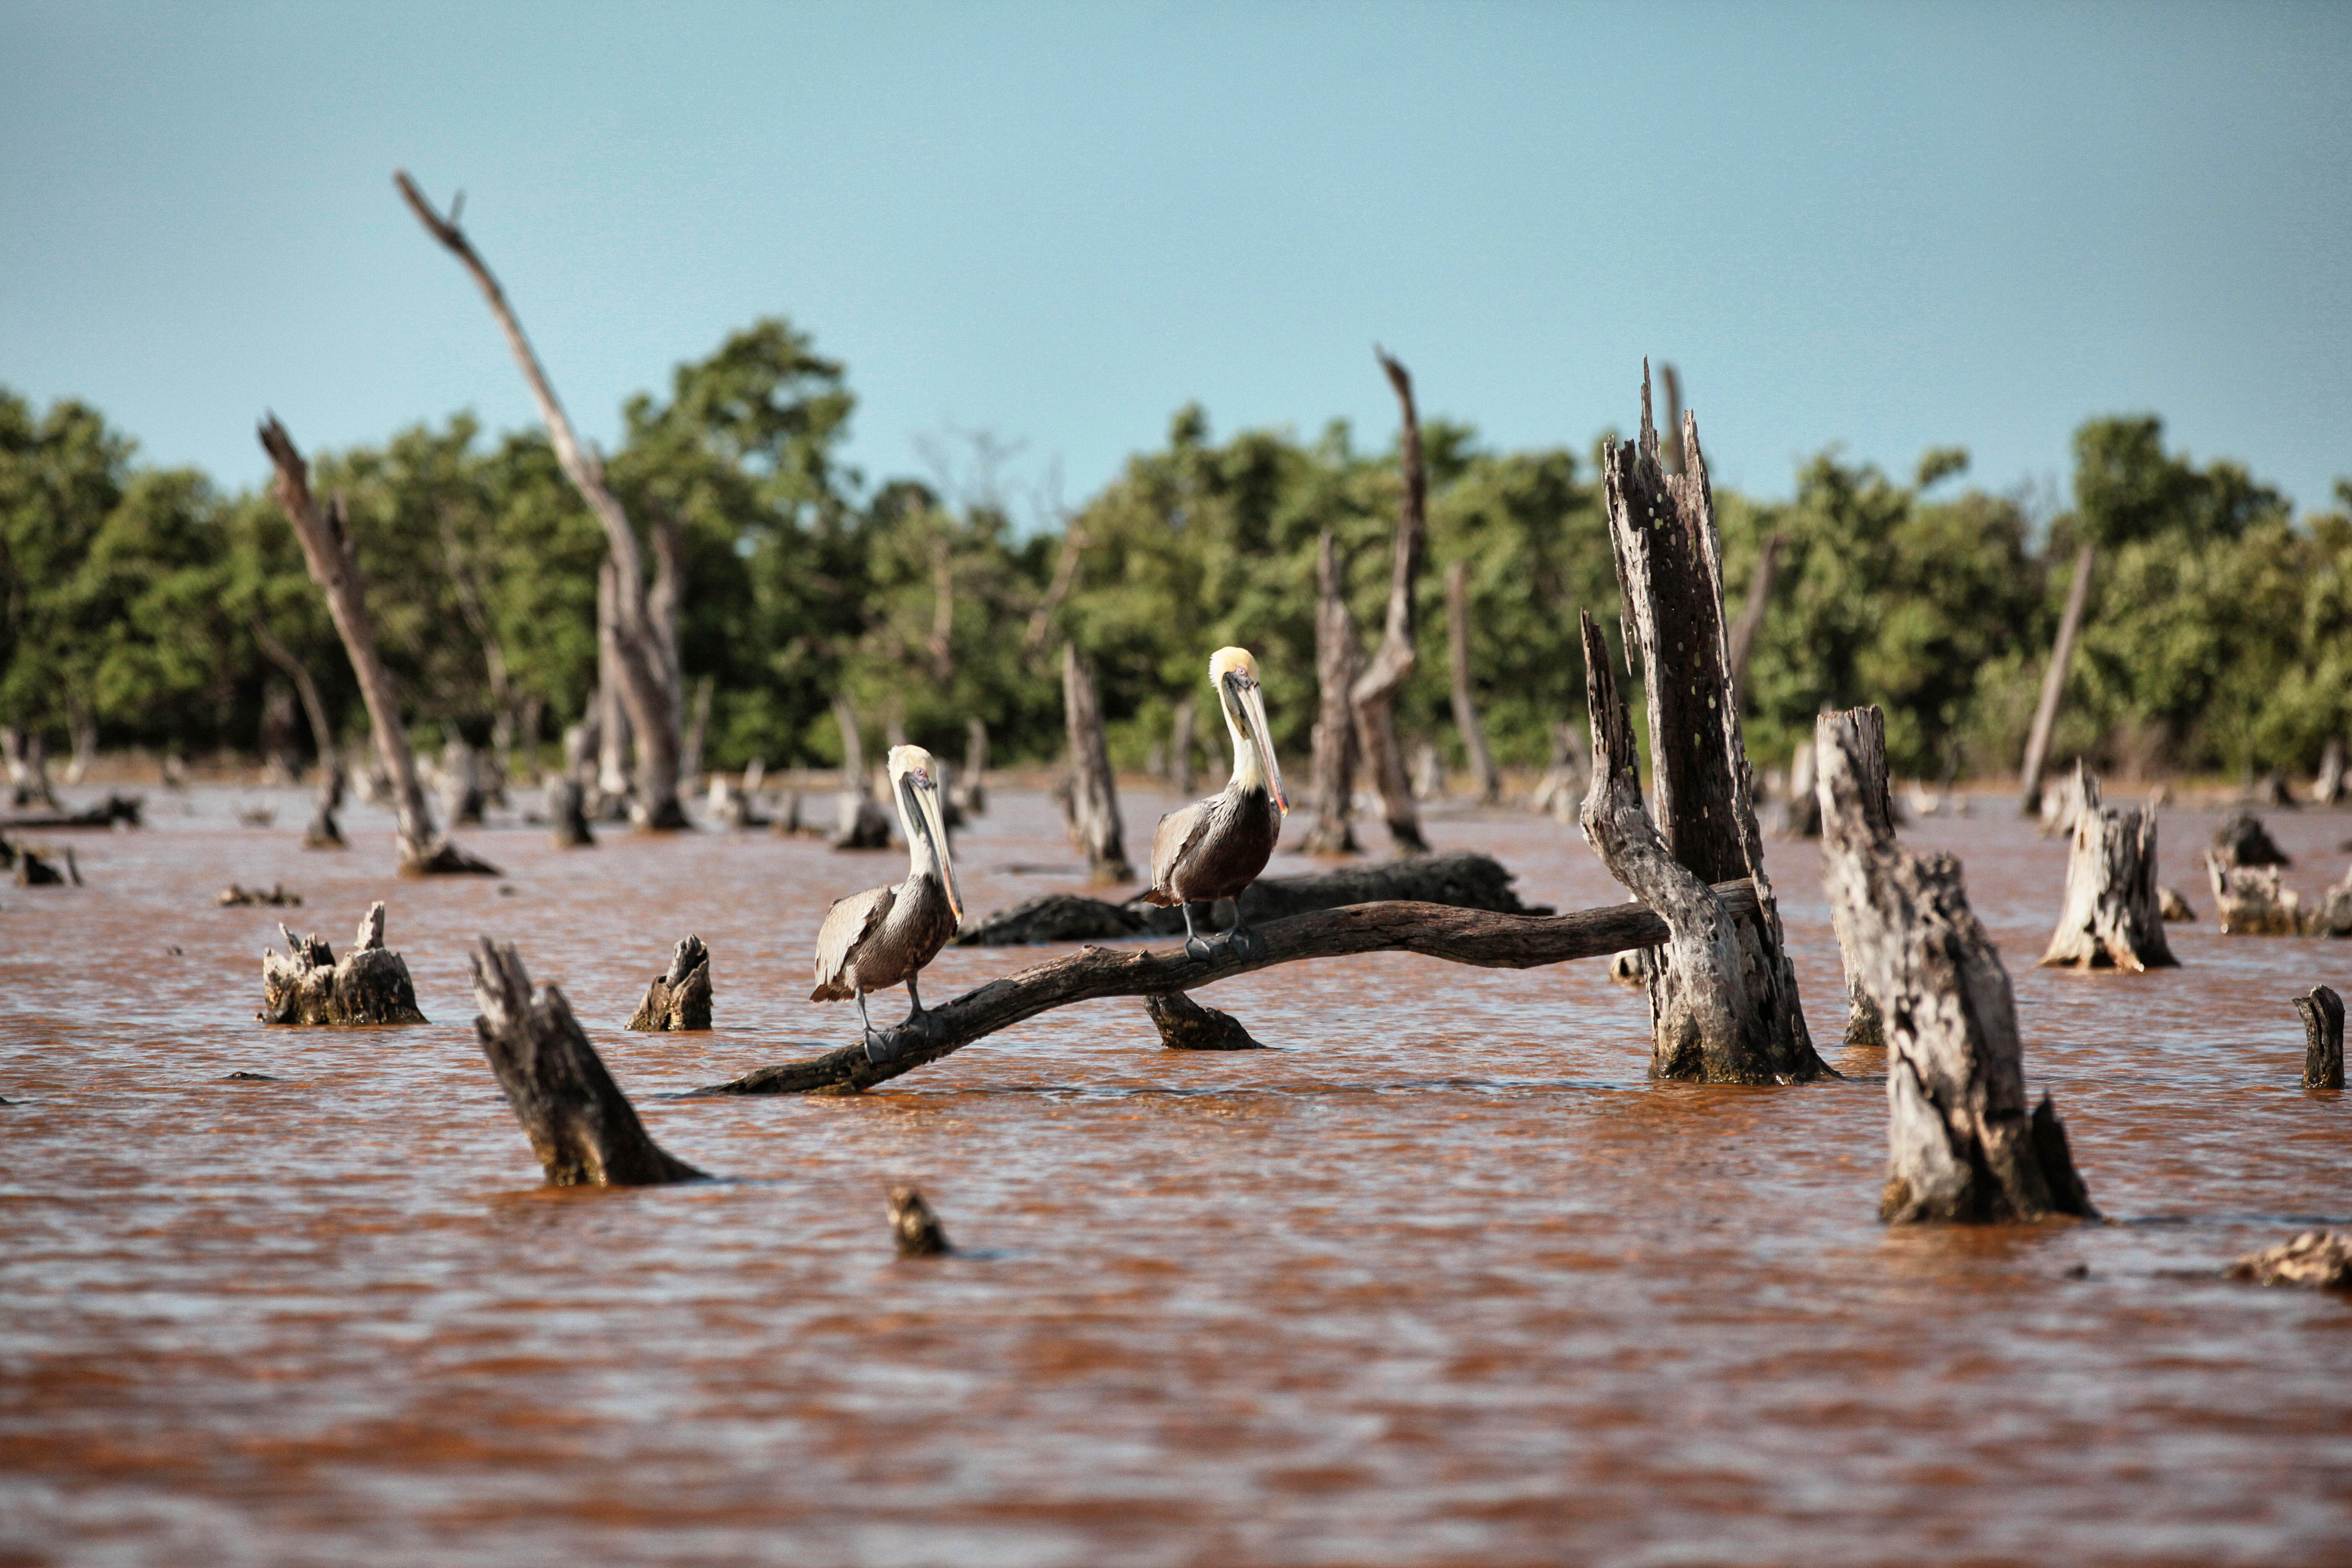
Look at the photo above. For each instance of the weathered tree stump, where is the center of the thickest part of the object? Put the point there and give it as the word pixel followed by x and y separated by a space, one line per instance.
pixel 970 791
pixel 1723 999
pixel 2319 1259
pixel 33 870
pixel 1800 812
pixel 2172 907
pixel 1373 696
pixel 579 1124
pixel 308 986
pixel 1962 1145
pixel 2329 788
pixel 1093 803
pixel 679 998
pixel 567 812
pixel 2053 687
pixel 2242 840
pixel 2112 917
pixel 2334 915
pixel 914 1228
pixel 2322 1011
pixel 860 821
pixel 1862 733
pixel 1339 661
pixel 2252 901
pixel 2061 805
pixel 323 832
pixel 1186 1025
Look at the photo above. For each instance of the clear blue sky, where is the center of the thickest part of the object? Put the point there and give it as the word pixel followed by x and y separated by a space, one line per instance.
pixel 1884 226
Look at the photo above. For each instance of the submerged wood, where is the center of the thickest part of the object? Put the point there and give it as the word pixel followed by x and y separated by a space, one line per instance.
pixel 1464 878
pixel 581 1125
pixel 916 1230
pixel 1092 804
pixel 1961 1143
pixel 2319 1259
pixel 236 896
pixel 1466 706
pixel 2172 907
pixel 1862 733
pixel 308 985
pixel 33 870
pixel 1373 695
pixel 680 997
pixel 2054 684
pixel 2322 1011
pixel 1186 1025
pixel 2240 839
pixel 1459 936
pixel 1339 661
pixel 125 809
pixel 1730 1020
pixel 2113 917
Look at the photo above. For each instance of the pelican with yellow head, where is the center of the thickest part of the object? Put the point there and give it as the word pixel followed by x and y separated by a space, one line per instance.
pixel 1215 847
pixel 874 940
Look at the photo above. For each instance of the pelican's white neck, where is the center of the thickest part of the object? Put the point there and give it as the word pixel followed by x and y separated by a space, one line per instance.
pixel 1249 772
pixel 922 855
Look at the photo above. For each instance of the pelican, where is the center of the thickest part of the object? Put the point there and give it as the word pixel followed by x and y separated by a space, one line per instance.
pixel 877 939
pixel 1214 849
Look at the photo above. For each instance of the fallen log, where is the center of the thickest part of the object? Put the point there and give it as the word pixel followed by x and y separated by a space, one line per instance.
pixel 114 808
pixel 308 986
pixel 581 1125
pixel 2320 1259
pixel 1961 1143
pixel 1460 879
pixel 2113 916
pixel 679 998
pixel 1478 937
pixel 1186 1025
pixel 2322 1011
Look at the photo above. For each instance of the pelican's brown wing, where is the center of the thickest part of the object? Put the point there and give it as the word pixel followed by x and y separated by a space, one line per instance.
pixel 850 922
pixel 1178 832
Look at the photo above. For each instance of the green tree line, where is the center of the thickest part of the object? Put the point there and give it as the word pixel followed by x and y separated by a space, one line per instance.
pixel 137 599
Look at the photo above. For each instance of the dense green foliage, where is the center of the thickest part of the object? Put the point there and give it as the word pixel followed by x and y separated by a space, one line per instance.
pixel 2220 637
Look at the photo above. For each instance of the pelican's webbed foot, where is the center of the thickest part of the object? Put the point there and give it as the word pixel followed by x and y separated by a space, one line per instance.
pixel 881 1045
pixel 1243 939
pixel 1195 945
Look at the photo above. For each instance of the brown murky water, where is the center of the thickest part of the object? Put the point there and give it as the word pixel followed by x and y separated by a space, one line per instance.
pixel 1443 1280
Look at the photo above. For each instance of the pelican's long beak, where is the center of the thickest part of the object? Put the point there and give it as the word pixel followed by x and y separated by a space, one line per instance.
pixel 927 807
pixel 1252 701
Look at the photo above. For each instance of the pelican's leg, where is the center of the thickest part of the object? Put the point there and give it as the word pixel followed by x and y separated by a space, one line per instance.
pixel 878 1045
pixel 1240 936
pixel 920 1021
pixel 1195 945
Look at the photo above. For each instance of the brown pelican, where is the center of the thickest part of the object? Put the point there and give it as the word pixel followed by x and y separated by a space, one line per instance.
pixel 877 939
pixel 1214 848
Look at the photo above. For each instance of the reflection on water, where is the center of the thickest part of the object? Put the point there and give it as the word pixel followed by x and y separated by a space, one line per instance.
pixel 1442 1280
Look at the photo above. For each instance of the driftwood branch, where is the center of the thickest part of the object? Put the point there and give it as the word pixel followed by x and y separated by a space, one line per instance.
pixel 1459 936
pixel 1962 1144
pixel 2053 683
pixel 579 1124
pixel 1375 690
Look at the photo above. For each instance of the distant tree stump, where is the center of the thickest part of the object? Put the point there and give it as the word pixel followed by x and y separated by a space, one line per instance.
pixel 2112 917
pixel 679 998
pixel 34 870
pixel 2252 901
pixel 1961 1145
pixel 1187 1026
pixel 2242 840
pixel 915 1228
pixel 445 860
pixel 2320 1259
pixel 580 1123
pixel 2062 804
pixel 2334 915
pixel 567 812
pixel 2322 1011
pixel 369 985
pixel 235 896
pixel 1863 732
pixel 2172 907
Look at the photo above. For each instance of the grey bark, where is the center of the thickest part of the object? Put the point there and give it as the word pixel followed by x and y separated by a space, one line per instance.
pixel 1375 690
pixel 1669 561
pixel 680 997
pixel 2053 683
pixel 1095 824
pixel 1862 732
pixel 334 566
pixel 647 664
pixel 1339 661
pixel 580 1126
pixel 1961 1143
pixel 2113 917
pixel 309 985
pixel 1466 706
pixel 2322 1011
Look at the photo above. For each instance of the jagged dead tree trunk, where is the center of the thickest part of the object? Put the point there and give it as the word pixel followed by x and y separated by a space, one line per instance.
pixel 680 997
pixel 1465 709
pixel 323 832
pixel 1339 661
pixel 26 754
pixel 1669 560
pixel 860 820
pixel 2322 1011
pixel 1375 690
pixel 1962 1144
pixel 335 567
pixel 1095 824
pixel 369 985
pixel 1751 616
pixel 581 1125
pixel 81 736
pixel 2114 915
pixel 613 727
pixel 2053 683
pixel 1862 732
pixel 2328 789
pixel 648 683
pixel 971 790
